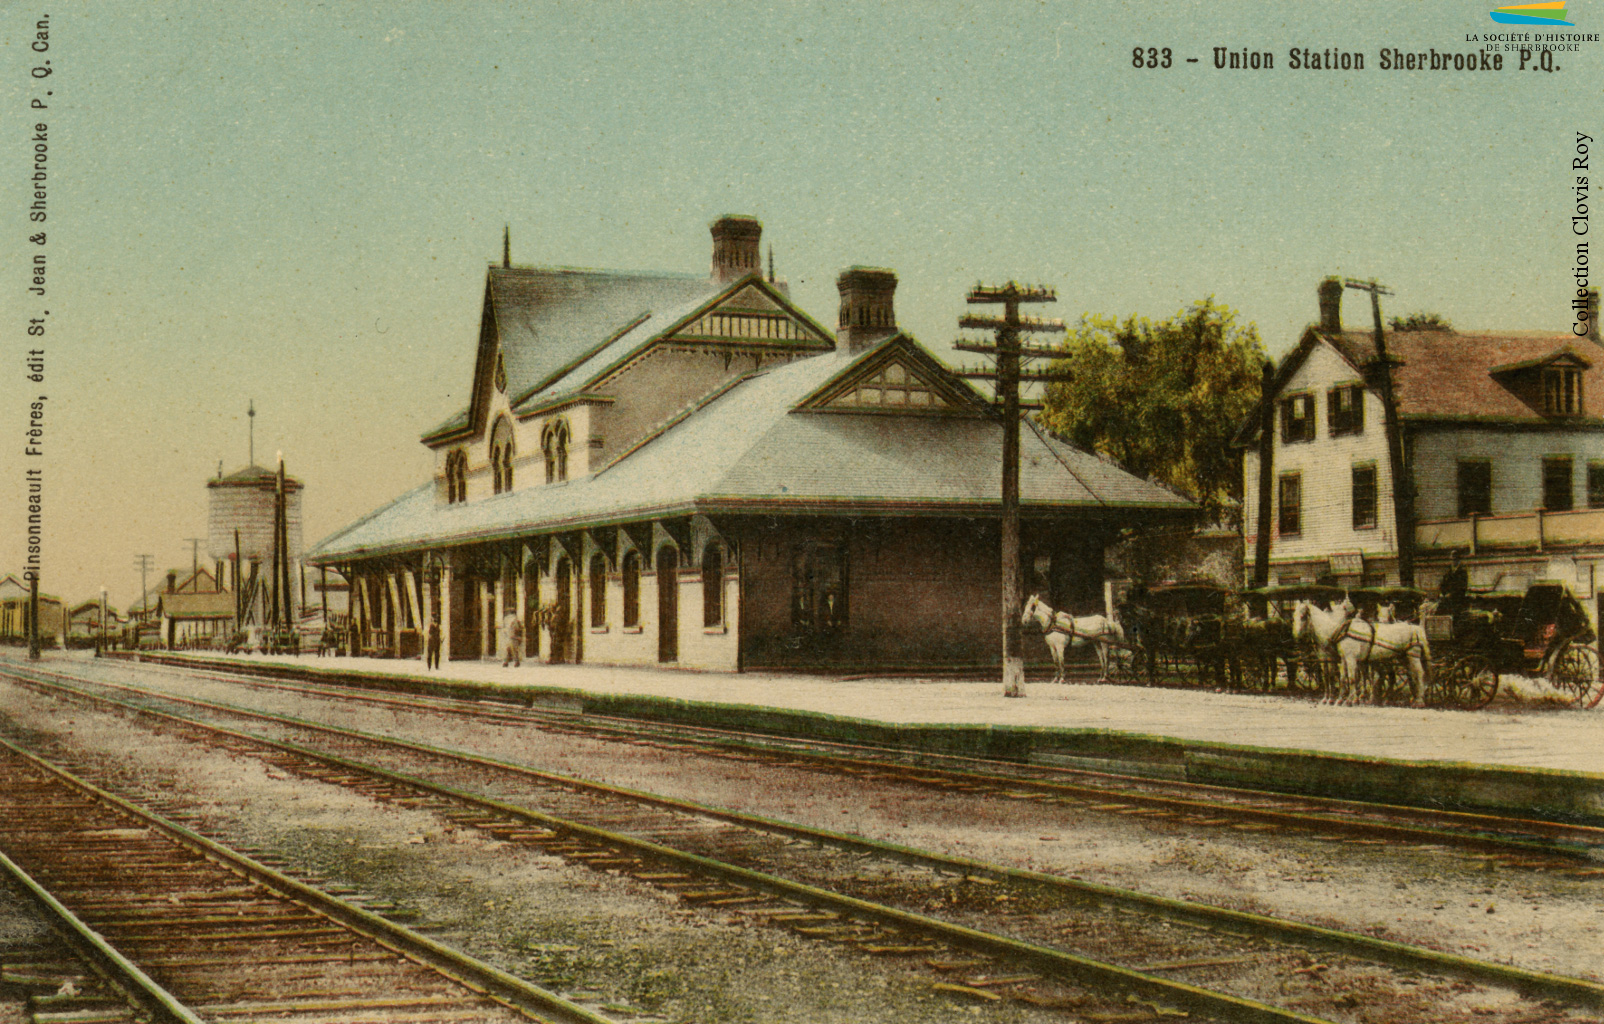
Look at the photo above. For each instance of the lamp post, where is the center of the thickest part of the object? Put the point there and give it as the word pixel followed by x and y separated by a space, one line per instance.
pixel 101 645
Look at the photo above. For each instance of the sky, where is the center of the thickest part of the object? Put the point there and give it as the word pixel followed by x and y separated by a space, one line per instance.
pixel 294 203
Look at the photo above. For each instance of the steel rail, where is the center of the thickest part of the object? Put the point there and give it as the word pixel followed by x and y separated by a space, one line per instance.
pixel 115 969
pixel 1394 954
pixel 1330 820
pixel 481 978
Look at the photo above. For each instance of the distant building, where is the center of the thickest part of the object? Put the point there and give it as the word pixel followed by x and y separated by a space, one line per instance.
pixel 14 615
pixel 690 470
pixel 1503 435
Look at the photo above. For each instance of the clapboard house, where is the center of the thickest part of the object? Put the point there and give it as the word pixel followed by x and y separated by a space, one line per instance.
pixel 1503 444
pixel 689 469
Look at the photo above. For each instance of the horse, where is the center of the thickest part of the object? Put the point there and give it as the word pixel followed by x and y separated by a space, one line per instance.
pixel 1366 643
pixel 1062 631
pixel 1310 622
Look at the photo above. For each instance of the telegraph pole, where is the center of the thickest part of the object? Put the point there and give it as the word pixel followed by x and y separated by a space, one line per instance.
pixel 1379 373
pixel 144 563
pixel 1006 377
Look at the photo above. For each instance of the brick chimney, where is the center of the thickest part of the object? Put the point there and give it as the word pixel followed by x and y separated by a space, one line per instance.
pixel 1331 305
pixel 735 248
pixel 172 581
pixel 867 312
pixel 1592 316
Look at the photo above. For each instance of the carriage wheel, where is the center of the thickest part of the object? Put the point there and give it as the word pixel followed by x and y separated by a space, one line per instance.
pixel 1576 669
pixel 1258 672
pixel 1475 682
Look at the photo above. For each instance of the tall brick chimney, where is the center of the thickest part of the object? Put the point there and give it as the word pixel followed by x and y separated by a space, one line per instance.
pixel 735 248
pixel 1331 305
pixel 1592 316
pixel 867 312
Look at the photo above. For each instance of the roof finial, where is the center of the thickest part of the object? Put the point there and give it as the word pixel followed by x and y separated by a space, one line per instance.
pixel 251 412
pixel 771 263
pixel 506 245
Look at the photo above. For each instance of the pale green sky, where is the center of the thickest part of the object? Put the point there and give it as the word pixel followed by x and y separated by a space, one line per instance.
pixel 295 202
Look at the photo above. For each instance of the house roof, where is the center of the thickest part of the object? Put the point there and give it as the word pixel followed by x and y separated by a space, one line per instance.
pixel 1454 376
pixel 750 448
pixel 1449 375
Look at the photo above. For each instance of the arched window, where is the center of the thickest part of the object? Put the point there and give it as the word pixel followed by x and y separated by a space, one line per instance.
pixel 632 589
pixel 456 477
pixel 554 444
pixel 713 586
pixel 501 455
pixel 598 589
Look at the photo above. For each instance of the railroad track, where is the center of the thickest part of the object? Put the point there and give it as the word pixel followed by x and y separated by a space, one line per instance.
pixel 1522 843
pixel 956 915
pixel 186 930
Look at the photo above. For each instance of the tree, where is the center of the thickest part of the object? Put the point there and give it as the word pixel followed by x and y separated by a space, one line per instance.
pixel 1420 322
pixel 1163 399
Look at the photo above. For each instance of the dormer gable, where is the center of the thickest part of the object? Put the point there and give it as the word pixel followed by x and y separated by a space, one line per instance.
pixel 750 313
pixel 896 377
pixel 1551 385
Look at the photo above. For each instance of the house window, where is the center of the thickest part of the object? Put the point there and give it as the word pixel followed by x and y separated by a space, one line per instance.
pixel 713 586
pixel 1562 392
pixel 1595 485
pixel 1364 497
pixel 598 590
pixel 501 455
pixel 1297 419
pixel 1345 408
pixel 632 589
pixel 818 590
pixel 554 444
pixel 1290 517
pixel 1475 489
pixel 1557 495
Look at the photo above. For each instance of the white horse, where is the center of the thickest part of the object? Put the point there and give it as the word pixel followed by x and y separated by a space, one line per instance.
pixel 1312 623
pixel 1367 643
pixel 1062 631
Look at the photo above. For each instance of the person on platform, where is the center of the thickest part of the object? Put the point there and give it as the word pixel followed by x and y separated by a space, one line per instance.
pixel 512 634
pixel 434 642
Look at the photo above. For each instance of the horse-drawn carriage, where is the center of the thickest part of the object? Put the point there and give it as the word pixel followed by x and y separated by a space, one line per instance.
pixel 1376 645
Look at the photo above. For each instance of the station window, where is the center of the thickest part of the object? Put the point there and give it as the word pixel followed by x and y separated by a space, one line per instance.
pixel 1289 520
pixel 1364 497
pixel 1345 408
pixel 598 590
pixel 712 586
pixel 1595 485
pixel 554 444
pixel 632 589
pixel 1475 489
pixel 1297 419
pixel 457 476
pixel 1557 491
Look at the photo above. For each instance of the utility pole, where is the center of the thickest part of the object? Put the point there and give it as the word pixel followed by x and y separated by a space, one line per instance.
pixel 1379 373
pixel 251 412
pixel 144 563
pixel 194 560
pixel 1006 378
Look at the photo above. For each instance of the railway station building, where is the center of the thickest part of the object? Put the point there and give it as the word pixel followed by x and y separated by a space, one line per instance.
pixel 1503 442
pixel 688 469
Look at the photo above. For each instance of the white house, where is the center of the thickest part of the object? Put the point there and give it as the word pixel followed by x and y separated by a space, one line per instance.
pixel 1503 444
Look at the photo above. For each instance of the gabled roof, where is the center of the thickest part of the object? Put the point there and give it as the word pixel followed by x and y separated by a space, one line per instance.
pixel 1448 375
pixel 752 447
pixel 543 319
pixel 956 395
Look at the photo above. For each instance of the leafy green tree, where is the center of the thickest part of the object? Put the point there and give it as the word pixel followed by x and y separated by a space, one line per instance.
pixel 1420 322
pixel 1162 398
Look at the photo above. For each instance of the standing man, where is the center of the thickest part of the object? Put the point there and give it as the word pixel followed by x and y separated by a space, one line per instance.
pixel 512 634
pixel 434 642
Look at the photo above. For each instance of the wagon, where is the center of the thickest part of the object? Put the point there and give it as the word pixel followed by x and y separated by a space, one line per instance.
pixel 1179 631
pixel 1265 649
pixel 1542 633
